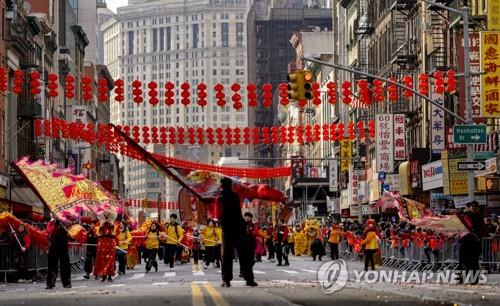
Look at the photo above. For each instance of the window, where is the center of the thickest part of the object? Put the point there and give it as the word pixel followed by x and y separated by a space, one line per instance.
pixel 130 42
pixel 162 38
pixel 224 30
pixel 168 38
pixel 196 28
pixel 155 40
pixel 239 34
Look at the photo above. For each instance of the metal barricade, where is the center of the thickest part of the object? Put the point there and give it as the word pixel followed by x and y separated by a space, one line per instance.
pixel 7 261
pixel 490 254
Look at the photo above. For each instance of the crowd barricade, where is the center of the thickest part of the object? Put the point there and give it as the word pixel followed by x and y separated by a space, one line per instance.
pixel 445 257
pixel 37 260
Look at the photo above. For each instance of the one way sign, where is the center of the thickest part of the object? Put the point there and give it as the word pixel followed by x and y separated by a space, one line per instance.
pixel 471 166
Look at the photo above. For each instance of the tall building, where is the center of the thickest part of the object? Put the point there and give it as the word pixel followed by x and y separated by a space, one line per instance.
pixel 179 41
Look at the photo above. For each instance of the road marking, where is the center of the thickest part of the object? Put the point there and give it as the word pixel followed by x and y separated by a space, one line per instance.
pixel 116 285
pixel 289 271
pixel 460 290
pixel 310 271
pixel 160 284
pixel 197 295
pixel 199 282
pixel 137 276
pixel 79 278
pixel 169 274
pixel 198 273
pixel 216 296
pixel 258 272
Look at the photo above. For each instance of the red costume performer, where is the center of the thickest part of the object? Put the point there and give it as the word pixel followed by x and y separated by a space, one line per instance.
pixel 106 248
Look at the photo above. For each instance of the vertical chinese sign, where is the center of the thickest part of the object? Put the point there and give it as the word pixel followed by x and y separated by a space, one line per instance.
pixel 399 137
pixel 437 124
pixel 475 66
pixel 494 15
pixel 490 81
pixel 385 142
pixel 345 154
pixel 333 176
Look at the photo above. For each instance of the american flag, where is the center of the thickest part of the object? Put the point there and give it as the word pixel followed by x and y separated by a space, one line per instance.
pixel 295 40
pixel 356 103
pixel 492 143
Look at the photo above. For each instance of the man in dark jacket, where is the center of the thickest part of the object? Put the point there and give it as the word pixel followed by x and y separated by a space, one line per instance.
pixel 233 227
pixel 246 250
pixel 91 250
pixel 58 255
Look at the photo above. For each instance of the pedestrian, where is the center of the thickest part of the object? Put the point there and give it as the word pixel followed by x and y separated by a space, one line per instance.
pixel 233 226
pixel 333 241
pixel 300 242
pixel 370 243
pixel 22 249
pixel 91 250
pixel 218 247
pixel 246 250
pixel 132 255
pixel 291 242
pixel 196 247
pixel 280 238
pixel 470 243
pixel 58 255
pixel 210 240
pixel 152 245
pixel 270 243
pixel 124 240
pixel 107 233
pixel 260 249
pixel 173 236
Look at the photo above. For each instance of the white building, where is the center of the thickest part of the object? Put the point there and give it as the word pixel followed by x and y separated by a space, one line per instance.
pixel 178 41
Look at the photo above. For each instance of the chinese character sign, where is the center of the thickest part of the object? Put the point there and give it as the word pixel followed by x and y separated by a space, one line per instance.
pixel 333 176
pixel 437 123
pixel 494 15
pixel 385 142
pixel 79 114
pixel 490 81
pixel 345 154
pixel 475 66
pixel 399 137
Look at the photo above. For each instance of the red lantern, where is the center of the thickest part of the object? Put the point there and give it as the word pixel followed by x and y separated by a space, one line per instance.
pixel 371 128
pixel 202 94
pixel 220 96
pixel 364 92
pixel 308 133
pixel 317 133
pixel 283 92
pixel 185 94
pixel 102 90
pixel 18 82
pixel 255 135
pixel 265 135
pixel 300 134
pixel 326 132
pixel 38 127
pixel 274 135
pixel 210 136
pixel 119 91
pixel 246 135
pixel 87 88
pixel 408 82
pixel 252 95
pixel 267 95
pixel 191 136
pixel 163 135
pixel 135 133
pixel 154 134
pixel 340 131
pixel 35 83
pixel 378 90
pixel 237 105
pixel 332 92
pixel 229 136
pixel 218 133
pixel 438 82
pixel 180 135
pixel 3 79
pixel 291 131
pixel 153 93
pixel 350 131
pixel 361 129
pixel 69 86
pixel 137 91
pixel 200 135
pixel 392 90
pixel 237 136
pixel 171 135
pixel 346 92
pixel 283 135
pixel 169 93
pixel 423 84
pixel 316 94
pixel 52 86
pixel 451 87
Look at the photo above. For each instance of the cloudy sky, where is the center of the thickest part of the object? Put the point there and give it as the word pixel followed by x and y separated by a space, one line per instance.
pixel 113 4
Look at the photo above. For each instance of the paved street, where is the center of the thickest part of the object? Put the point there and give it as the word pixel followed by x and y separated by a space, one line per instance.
pixel 293 285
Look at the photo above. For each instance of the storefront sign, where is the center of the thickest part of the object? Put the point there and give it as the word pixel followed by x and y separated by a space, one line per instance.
pixel 437 123
pixel 432 175
pixel 404 179
pixel 392 182
pixel 493 200
pixel 415 174
pixel 345 154
pixel 385 142
pixel 366 209
pixel 458 179
pixel 461 201
pixel 475 65
pixel 494 15
pixel 440 202
pixel 344 199
pixel 374 191
pixel 333 205
pixel 491 167
pixel 399 137
pixel 333 176
pixel 490 81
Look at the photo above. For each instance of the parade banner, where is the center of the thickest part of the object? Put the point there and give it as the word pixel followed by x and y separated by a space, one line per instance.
pixel 437 124
pixel 399 137
pixel 66 195
pixel 490 81
pixel 385 142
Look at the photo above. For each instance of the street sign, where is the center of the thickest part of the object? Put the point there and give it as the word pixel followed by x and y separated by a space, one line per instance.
pixel 359 168
pixel 469 134
pixel 471 166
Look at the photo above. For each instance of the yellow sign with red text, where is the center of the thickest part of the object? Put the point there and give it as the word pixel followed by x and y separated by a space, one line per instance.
pixel 490 81
pixel 494 15
pixel 345 154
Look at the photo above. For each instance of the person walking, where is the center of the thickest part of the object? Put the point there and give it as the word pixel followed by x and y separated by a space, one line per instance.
pixel 107 233
pixel 124 240
pixel 218 247
pixel 280 239
pixel 196 247
pixel 91 250
pixel 333 240
pixel 58 255
pixel 210 240
pixel 152 245
pixel 173 236
pixel 233 226
pixel 370 243
pixel 246 250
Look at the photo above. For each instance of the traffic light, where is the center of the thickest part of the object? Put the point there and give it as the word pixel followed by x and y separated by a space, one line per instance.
pixel 296 85
pixel 308 87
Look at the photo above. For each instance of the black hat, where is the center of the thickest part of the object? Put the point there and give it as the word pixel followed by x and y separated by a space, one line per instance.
pixel 248 214
pixel 226 182
pixel 173 216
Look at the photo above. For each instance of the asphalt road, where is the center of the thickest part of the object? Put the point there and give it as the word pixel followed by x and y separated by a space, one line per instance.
pixel 293 285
